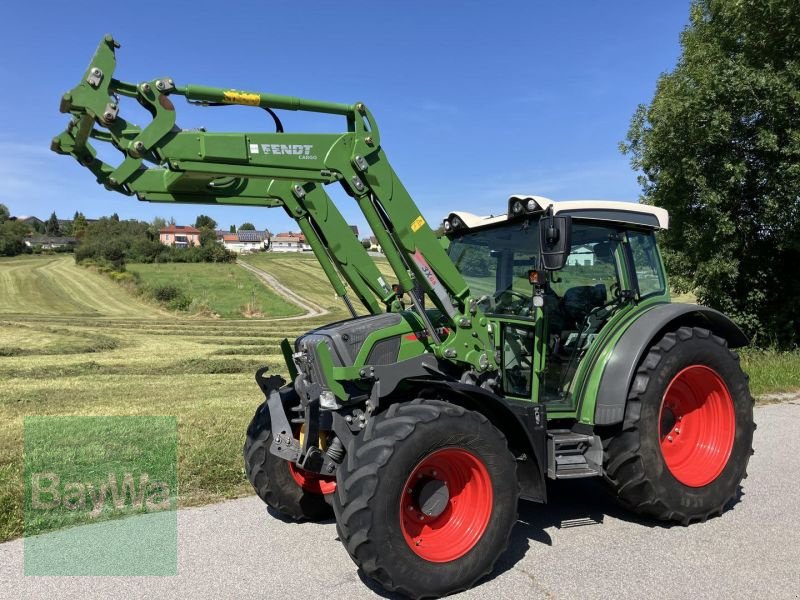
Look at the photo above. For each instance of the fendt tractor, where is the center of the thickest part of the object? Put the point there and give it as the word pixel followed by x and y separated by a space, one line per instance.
pixel 515 349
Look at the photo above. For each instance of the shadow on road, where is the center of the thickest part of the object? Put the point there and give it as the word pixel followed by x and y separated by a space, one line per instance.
pixel 576 503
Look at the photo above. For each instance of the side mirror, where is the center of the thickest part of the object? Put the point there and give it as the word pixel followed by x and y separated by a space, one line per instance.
pixel 554 241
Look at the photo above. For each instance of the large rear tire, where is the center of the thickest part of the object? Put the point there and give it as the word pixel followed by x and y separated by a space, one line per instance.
pixel 686 439
pixel 426 501
pixel 295 493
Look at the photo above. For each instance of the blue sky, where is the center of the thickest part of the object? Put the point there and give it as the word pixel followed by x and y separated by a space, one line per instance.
pixel 475 100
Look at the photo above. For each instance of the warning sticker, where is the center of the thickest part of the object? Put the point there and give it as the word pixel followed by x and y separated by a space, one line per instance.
pixel 253 148
pixel 234 97
pixel 417 223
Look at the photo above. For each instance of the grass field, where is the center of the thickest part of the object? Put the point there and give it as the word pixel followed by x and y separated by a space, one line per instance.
pixel 72 342
pixel 227 289
pixel 55 285
pixel 303 274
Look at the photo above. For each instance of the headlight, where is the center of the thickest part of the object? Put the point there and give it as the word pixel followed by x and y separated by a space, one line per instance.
pixel 516 208
pixel 532 206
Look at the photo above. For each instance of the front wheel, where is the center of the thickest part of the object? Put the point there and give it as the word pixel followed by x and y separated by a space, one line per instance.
pixel 290 490
pixel 686 439
pixel 426 501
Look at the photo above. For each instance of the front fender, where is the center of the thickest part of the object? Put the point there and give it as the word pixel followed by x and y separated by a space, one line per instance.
pixel 631 348
pixel 523 423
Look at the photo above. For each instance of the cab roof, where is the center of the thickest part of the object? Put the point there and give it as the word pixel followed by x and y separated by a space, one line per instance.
pixel 632 213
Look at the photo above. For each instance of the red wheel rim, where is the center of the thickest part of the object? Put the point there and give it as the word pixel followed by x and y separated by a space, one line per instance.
pixel 454 531
pixel 312 482
pixel 697 423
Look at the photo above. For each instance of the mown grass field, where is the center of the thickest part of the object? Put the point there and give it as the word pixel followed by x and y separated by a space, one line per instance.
pixel 72 342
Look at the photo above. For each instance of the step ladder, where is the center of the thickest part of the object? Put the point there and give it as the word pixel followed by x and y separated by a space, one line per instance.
pixel 572 455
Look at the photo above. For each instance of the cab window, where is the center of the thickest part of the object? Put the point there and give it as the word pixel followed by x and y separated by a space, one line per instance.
pixel 649 274
pixel 495 264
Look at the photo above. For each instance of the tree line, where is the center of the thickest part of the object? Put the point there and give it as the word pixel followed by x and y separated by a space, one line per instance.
pixel 719 147
pixel 114 242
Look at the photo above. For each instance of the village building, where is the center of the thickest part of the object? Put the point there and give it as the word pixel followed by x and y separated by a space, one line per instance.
pixel 50 242
pixel 289 242
pixel 181 236
pixel 244 240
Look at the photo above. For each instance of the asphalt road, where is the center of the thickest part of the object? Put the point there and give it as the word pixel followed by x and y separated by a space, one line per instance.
pixel 237 549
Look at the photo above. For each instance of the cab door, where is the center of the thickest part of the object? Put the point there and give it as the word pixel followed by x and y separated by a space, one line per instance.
pixel 578 300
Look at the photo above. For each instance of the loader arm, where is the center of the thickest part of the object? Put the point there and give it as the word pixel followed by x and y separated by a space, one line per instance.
pixel 163 163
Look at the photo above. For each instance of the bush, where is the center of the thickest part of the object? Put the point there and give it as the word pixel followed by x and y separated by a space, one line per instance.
pixel 166 292
pixel 12 236
pixel 180 302
pixel 125 277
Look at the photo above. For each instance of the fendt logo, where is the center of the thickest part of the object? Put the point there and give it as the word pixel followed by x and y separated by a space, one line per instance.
pixel 301 150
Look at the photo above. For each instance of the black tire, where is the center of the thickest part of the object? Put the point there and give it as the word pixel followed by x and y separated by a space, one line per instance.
pixel 373 479
pixel 271 478
pixel 636 470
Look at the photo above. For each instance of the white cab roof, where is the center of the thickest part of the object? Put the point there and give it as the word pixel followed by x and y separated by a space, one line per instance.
pixel 599 210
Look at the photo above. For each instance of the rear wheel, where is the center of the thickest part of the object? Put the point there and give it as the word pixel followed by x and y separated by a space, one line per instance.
pixel 290 490
pixel 426 501
pixel 687 435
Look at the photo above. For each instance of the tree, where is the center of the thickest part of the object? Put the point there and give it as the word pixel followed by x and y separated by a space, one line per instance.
pixel 52 227
pixel 247 227
pixel 719 147
pixel 366 243
pixel 204 221
pixel 12 238
pixel 207 236
pixel 79 225
pixel 232 229
pixel 4 213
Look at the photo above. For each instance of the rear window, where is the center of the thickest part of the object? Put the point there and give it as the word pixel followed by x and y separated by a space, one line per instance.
pixel 646 263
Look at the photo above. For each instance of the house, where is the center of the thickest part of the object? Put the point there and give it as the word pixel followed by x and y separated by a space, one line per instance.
pixel 35 223
pixel 181 236
pixel 244 240
pixel 581 256
pixel 49 242
pixel 289 242
pixel 374 246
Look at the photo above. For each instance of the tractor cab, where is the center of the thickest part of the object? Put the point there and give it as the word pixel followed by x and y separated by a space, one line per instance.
pixel 555 277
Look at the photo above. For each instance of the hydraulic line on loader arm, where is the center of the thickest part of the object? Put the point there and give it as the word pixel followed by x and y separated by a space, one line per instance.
pixel 164 163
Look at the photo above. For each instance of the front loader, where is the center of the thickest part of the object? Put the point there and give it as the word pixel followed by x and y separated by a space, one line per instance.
pixel 536 345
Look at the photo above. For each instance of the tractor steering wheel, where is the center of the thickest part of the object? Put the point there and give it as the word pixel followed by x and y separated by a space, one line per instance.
pixel 521 305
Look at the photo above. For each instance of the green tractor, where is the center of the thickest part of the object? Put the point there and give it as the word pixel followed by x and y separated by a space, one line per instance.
pixel 536 345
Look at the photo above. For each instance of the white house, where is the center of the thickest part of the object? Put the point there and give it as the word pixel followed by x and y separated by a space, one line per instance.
pixel 244 241
pixel 289 242
pixel 581 256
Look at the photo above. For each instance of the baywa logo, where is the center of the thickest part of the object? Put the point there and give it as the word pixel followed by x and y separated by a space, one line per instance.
pixel 48 493
pixel 302 151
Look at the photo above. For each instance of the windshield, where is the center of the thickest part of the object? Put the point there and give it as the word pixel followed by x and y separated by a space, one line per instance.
pixel 495 264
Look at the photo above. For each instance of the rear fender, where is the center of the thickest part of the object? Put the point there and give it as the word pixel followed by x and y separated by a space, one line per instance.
pixel 633 345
